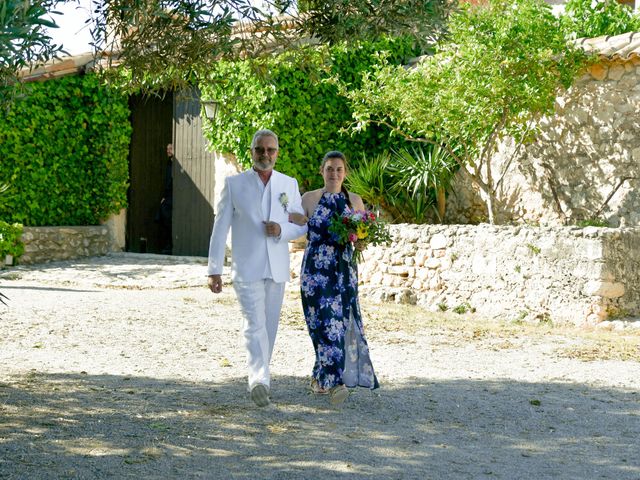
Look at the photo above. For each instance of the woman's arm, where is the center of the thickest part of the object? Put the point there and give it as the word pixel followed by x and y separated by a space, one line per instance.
pixel 298 218
pixel 310 202
pixel 356 201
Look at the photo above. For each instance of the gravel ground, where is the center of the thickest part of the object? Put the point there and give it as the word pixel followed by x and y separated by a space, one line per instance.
pixel 126 366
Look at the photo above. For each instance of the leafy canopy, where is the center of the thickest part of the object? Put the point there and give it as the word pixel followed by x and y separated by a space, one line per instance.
pixel 501 67
pixel 295 98
pixel 589 18
pixel 23 38
pixel 340 20
pixel 170 43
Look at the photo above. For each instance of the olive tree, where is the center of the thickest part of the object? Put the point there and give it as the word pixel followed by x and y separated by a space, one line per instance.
pixel 23 37
pixel 497 72
pixel 166 43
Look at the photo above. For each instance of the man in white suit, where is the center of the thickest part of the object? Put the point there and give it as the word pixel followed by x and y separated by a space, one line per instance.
pixel 255 205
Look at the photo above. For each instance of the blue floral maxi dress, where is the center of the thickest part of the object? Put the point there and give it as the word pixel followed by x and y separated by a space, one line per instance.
pixel 329 288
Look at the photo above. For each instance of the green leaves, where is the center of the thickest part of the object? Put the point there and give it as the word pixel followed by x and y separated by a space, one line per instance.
pixel 344 20
pixel 586 18
pixel 293 95
pixel 23 39
pixel 64 149
pixel 500 67
pixel 406 183
pixel 10 240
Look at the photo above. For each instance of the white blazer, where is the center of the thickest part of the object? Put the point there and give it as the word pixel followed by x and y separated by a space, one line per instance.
pixel 240 209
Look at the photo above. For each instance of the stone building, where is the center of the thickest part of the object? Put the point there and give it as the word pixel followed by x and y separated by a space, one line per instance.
pixel 585 164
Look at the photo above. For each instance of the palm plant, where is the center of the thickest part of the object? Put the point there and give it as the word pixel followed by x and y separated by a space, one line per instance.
pixel 371 179
pixel 425 173
pixel 405 184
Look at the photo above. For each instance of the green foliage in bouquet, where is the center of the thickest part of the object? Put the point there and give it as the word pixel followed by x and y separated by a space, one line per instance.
pixel 359 228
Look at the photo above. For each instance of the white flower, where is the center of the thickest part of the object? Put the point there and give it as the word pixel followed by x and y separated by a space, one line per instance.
pixel 284 201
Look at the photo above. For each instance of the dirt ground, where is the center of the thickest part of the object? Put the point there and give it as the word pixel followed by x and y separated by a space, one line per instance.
pixel 126 366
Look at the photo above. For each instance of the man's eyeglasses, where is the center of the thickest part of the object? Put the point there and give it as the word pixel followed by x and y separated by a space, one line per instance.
pixel 261 150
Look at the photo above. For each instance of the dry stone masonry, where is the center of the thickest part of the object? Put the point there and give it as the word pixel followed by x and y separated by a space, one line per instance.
pixel 45 244
pixel 562 274
pixel 584 166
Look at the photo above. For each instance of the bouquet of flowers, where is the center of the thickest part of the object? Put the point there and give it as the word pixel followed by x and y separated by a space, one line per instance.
pixel 360 228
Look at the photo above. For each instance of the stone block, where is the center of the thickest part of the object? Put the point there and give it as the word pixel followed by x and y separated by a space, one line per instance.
pixel 433 263
pixel 376 278
pixel 387 280
pixel 590 250
pixel 423 274
pixel 598 71
pixel 603 289
pixel 435 284
pixel 406 297
pixel 400 271
pixel 421 256
pixel 616 72
pixel 484 265
pixel 438 241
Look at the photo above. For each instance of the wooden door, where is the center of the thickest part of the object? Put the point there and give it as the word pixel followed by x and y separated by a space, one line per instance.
pixel 193 179
pixel 152 122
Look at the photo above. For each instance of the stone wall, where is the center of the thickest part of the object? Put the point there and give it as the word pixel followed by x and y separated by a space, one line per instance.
pixel 46 244
pixel 584 165
pixel 564 274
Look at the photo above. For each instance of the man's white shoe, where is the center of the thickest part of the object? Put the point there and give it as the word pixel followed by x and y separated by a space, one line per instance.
pixel 260 395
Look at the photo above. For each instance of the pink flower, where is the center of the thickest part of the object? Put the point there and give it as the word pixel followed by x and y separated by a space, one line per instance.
pixel 353 237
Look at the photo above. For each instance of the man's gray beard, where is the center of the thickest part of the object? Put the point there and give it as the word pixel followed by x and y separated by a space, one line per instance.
pixel 264 166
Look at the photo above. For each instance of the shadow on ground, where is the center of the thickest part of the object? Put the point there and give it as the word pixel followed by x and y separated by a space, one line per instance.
pixel 85 426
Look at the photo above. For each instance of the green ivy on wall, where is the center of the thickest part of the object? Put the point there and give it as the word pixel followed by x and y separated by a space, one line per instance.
pixel 64 148
pixel 293 95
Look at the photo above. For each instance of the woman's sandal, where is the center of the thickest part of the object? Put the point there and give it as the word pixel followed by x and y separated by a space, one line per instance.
pixel 338 394
pixel 315 388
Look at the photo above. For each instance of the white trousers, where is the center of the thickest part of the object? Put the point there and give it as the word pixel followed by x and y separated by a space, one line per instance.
pixel 260 303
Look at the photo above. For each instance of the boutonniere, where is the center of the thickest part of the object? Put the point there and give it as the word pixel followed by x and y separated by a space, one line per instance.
pixel 284 201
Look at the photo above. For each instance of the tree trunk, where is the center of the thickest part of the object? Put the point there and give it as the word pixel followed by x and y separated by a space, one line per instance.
pixel 441 203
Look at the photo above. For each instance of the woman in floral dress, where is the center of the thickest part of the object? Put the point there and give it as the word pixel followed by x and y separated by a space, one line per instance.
pixel 329 288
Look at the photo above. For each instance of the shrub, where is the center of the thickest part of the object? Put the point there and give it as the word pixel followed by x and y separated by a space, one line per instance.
pixel 500 69
pixel 406 184
pixel 589 18
pixel 10 240
pixel 293 95
pixel 64 146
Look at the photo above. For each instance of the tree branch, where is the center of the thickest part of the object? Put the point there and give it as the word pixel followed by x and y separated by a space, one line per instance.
pixel 554 193
pixel 624 179
pixel 513 156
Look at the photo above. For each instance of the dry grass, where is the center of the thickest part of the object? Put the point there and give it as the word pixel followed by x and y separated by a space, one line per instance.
pixel 605 346
pixel 403 323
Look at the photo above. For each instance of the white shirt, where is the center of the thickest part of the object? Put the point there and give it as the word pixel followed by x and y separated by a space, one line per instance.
pixel 265 190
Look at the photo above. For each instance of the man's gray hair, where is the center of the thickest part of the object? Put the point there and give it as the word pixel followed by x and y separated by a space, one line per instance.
pixel 263 133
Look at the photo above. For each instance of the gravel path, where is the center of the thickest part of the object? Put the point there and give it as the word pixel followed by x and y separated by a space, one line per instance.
pixel 126 366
